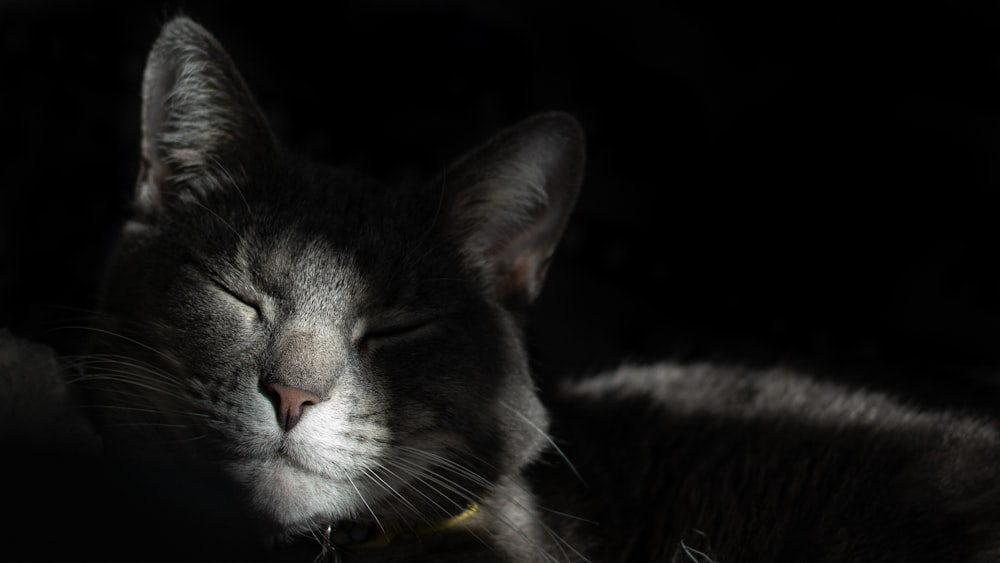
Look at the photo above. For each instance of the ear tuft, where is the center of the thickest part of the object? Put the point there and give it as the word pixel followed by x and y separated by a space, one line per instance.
pixel 199 119
pixel 510 199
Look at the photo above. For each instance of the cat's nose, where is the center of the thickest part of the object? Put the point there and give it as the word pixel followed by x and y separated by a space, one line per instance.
pixel 289 402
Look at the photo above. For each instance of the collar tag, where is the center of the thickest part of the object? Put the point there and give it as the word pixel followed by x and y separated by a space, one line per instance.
pixel 328 552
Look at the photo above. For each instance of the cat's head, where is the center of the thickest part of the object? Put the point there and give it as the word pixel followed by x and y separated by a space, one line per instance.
pixel 341 349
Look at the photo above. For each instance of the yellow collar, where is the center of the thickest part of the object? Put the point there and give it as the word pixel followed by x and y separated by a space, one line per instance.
pixel 383 538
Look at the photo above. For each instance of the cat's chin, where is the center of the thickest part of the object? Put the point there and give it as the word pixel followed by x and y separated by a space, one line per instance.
pixel 292 499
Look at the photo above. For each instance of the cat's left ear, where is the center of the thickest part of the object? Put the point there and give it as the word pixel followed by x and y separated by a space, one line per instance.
pixel 199 121
pixel 509 200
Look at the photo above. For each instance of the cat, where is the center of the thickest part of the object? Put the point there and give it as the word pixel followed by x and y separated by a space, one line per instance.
pixel 295 362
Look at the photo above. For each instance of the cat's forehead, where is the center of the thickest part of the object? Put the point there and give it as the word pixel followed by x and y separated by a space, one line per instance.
pixel 332 203
pixel 337 235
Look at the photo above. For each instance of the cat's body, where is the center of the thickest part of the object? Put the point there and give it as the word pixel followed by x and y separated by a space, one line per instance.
pixel 349 359
pixel 745 464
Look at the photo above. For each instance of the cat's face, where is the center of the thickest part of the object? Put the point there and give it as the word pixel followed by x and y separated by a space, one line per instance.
pixel 339 349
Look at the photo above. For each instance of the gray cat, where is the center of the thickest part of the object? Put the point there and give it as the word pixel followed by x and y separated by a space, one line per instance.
pixel 338 368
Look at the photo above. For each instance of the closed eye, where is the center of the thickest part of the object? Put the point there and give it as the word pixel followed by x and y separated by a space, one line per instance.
pixel 249 305
pixel 395 332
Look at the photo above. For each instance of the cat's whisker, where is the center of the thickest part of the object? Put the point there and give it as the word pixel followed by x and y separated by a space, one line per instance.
pixel 425 473
pixel 125 382
pixel 122 337
pixel 229 226
pixel 444 513
pixel 135 382
pixel 427 252
pixel 373 475
pixel 520 487
pixel 429 478
pixel 559 542
pixel 233 184
pixel 125 371
pixel 85 316
pixel 419 475
pixel 365 501
pixel 406 521
pixel 567 515
pixel 144 410
pixel 75 309
pixel 133 424
pixel 444 463
pixel 469 497
pixel 180 418
pixel 97 359
pixel 388 409
pixel 415 475
pixel 437 210
pixel 695 555
pixel 138 371
pixel 547 438
pixel 170 443
pixel 438 460
pixel 428 231
pixel 311 532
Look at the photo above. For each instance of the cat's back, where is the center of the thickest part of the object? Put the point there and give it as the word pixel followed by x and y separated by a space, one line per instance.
pixel 705 462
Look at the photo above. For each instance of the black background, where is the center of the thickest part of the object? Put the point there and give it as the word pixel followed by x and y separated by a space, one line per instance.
pixel 764 181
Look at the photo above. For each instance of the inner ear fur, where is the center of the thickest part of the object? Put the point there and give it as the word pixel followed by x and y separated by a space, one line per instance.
pixel 509 201
pixel 199 120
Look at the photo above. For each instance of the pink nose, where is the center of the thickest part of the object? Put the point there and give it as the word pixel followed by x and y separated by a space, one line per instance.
pixel 289 402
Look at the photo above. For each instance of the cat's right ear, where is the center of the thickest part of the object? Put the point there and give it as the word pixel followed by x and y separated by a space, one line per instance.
pixel 509 200
pixel 200 124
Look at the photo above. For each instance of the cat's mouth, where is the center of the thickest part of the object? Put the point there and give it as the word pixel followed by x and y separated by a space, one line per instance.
pixel 283 453
pixel 287 458
pixel 290 454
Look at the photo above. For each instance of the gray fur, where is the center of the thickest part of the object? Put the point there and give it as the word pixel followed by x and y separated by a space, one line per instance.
pixel 773 465
pixel 190 134
pixel 402 310
pixel 312 277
